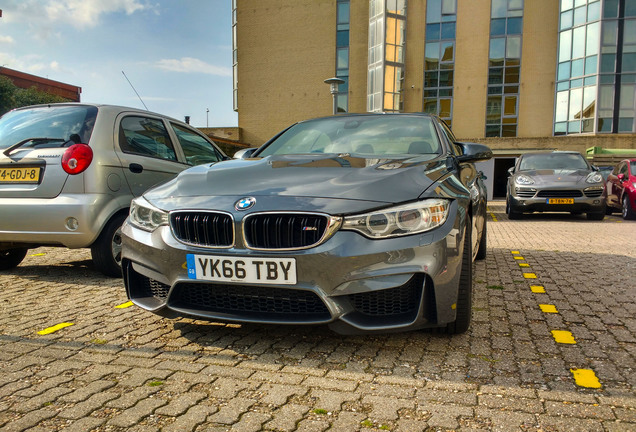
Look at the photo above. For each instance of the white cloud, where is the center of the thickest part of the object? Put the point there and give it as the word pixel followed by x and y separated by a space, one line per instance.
pixel 77 13
pixel 192 65
pixel 6 40
pixel 86 13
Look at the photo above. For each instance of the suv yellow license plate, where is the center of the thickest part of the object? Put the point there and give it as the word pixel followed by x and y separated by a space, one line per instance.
pixel 20 175
pixel 560 200
pixel 242 269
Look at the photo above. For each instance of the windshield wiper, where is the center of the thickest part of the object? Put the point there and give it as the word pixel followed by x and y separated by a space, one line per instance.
pixel 35 141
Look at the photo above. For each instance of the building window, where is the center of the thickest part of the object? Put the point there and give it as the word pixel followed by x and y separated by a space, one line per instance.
pixel 387 38
pixel 596 73
pixel 504 68
pixel 439 58
pixel 342 53
pixel 234 59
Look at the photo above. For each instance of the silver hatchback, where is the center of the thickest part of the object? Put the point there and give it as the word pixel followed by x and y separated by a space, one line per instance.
pixel 68 173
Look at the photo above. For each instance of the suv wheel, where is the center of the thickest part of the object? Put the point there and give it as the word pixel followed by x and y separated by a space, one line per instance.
pixel 512 214
pixel 11 258
pixel 106 251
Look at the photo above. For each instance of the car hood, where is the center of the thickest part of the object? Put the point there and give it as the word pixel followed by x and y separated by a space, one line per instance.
pixel 556 177
pixel 324 176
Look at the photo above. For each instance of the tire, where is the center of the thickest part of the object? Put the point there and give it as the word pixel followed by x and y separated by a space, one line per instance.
pixel 597 216
pixel 106 251
pixel 483 243
pixel 465 290
pixel 628 212
pixel 512 214
pixel 11 258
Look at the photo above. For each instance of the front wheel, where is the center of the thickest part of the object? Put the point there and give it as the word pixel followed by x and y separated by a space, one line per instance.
pixel 628 212
pixel 11 258
pixel 512 214
pixel 464 304
pixel 483 243
pixel 106 251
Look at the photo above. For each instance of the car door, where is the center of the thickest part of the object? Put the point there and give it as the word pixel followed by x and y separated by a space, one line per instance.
pixel 147 153
pixel 615 186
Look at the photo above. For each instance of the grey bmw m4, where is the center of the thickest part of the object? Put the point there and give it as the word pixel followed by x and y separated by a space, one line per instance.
pixel 365 222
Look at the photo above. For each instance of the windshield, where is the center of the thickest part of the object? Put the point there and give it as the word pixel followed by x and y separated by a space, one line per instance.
pixel 553 161
pixel 367 136
pixel 57 123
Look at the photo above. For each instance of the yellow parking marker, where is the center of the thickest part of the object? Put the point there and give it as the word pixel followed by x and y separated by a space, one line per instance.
pixel 124 305
pixel 519 257
pixel 524 265
pixel 585 378
pixel 529 275
pixel 515 252
pixel 546 308
pixel 563 336
pixel 38 254
pixel 55 328
pixel 492 215
pixel 537 289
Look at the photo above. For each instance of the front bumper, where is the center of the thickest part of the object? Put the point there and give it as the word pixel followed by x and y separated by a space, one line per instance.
pixel 352 283
pixel 526 199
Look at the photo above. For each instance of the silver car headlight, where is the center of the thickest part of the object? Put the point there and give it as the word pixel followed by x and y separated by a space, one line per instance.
pixel 403 220
pixel 594 177
pixel 523 180
pixel 146 216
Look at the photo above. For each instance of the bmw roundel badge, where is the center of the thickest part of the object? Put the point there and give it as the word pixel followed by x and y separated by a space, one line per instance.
pixel 245 203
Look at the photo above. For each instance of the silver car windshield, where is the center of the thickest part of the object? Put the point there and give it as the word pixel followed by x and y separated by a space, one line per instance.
pixel 57 123
pixel 553 161
pixel 373 136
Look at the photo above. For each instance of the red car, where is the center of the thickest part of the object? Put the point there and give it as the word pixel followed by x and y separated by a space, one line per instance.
pixel 621 189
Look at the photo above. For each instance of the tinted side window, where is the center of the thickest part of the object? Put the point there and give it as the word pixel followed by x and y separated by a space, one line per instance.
pixel 147 137
pixel 197 149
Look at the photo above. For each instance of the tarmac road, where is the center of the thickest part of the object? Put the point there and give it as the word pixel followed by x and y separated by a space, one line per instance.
pixel 552 347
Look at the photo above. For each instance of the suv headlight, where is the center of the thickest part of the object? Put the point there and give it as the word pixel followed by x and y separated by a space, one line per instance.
pixel 594 177
pixel 403 220
pixel 523 180
pixel 146 216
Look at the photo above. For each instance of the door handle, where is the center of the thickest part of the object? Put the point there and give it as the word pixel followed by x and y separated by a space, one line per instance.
pixel 135 168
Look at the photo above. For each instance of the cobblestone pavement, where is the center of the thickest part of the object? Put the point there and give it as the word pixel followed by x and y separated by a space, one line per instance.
pixel 552 348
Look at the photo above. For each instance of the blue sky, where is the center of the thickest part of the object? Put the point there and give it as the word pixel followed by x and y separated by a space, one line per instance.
pixel 176 54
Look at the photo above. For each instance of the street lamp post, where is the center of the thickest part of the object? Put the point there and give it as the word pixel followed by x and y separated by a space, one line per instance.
pixel 334 83
pixel 207 111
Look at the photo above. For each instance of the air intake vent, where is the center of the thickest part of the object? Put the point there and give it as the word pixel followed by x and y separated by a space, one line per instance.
pixel 284 231
pixel 200 228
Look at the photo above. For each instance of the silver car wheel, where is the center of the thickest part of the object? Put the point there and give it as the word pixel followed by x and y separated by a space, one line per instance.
pixel 116 246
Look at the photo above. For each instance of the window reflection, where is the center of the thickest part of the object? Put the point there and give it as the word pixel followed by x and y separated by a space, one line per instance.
pixel 506 26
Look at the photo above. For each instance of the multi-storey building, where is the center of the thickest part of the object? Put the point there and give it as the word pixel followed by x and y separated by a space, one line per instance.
pixel 519 75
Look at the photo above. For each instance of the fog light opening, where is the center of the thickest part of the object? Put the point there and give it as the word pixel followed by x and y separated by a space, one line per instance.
pixel 72 224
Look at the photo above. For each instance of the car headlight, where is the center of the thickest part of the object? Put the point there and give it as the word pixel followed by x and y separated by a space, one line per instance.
pixel 594 177
pixel 523 180
pixel 403 220
pixel 146 216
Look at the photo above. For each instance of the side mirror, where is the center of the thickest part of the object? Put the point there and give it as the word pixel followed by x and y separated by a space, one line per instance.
pixel 621 177
pixel 244 153
pixel 511 170
pixel 473 152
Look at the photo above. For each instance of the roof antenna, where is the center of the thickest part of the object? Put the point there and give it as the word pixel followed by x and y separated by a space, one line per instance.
pixel 135 91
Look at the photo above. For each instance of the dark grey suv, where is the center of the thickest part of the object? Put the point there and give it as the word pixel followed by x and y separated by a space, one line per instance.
pixel 68 173
pixel 558 181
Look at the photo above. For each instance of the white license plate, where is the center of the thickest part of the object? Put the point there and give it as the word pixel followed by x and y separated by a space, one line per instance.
pixel 242 269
